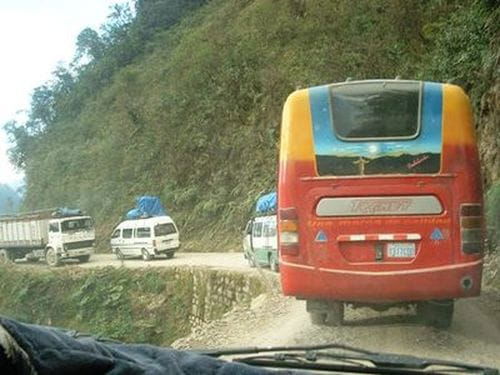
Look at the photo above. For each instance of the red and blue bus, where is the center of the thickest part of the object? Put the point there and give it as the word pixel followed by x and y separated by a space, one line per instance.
pixel 380 198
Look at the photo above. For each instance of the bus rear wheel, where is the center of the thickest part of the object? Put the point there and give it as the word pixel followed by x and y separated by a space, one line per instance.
pixel 317 318
pixel 335 315
pixel 438 314
pixel 323 312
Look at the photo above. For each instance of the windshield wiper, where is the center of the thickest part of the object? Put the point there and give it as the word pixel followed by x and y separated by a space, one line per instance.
pixel 344 358
pixel 263 349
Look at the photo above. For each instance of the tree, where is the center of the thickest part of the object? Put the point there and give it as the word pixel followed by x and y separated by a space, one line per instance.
pixel 89 44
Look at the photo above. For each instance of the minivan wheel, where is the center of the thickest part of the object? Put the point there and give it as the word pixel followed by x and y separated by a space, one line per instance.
pixel 146 255
pixel 119 254
pixel 273 263
pixel 251 260
pixel 52 258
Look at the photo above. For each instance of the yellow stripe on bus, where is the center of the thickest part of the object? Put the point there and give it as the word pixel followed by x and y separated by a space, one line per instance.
pixel 458 126
pixel 296 129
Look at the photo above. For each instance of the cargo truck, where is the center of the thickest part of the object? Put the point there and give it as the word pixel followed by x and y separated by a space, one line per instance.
pixel 52 235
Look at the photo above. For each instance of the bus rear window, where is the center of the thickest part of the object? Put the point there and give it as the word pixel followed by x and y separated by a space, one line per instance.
pixel 374 110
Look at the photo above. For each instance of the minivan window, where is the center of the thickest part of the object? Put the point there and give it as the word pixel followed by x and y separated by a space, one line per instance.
pixel 257 230
pixel 269 230
pixel 248 229
pixel 116 234
pixel 127 233
pixel 164 229
pixel 143 232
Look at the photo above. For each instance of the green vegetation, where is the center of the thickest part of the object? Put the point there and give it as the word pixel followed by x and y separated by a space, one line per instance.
pixel 493 215
pixel 184 99
pixel 150 306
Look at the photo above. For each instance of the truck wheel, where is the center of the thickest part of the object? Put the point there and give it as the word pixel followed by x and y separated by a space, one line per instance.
pixel 273 264
pixel 335 316
pixel 145 255
pixel 6 257
pixel 83 258
pixel 52 258
pixel 317 318
pixel 170 255
pixel 438 314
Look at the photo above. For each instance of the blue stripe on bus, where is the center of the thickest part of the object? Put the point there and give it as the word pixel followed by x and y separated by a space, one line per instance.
pixel 327 143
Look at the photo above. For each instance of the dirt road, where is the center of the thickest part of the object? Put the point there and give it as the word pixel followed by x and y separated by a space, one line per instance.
pixel 229 261
pixel 233 261
pixel 275 320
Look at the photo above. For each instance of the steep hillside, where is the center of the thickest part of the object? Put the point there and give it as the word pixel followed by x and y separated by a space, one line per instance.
pixel 189 109
pixel 9 199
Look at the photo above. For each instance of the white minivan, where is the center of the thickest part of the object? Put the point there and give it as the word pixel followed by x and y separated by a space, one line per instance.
pixel 260 244
pixel 145 238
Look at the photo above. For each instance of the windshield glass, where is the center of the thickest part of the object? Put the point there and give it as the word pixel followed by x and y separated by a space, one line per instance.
pixel 76 224
pixel 376 110
pixel 206 174
pixel 164 229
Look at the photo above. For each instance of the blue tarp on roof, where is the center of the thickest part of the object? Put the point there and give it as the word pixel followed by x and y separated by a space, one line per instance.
pixel 146 206
pixel 266 204
pixel 66 212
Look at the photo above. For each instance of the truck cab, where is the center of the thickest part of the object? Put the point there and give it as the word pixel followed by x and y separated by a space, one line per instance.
pixel 70 237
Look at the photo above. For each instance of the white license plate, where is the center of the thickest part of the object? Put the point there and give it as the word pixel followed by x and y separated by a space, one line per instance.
pixel 401 250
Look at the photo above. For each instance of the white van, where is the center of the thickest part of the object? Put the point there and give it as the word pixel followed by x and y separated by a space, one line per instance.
pixel 145 238
pixel 260 244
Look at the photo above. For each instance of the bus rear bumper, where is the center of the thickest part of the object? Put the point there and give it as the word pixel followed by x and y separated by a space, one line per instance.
pixel 443 282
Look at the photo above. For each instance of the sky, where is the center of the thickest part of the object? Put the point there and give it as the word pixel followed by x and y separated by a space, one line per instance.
pixel 35 36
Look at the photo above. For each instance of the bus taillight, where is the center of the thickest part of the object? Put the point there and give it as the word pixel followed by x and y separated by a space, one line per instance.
pixel 471 227
pixel 289 231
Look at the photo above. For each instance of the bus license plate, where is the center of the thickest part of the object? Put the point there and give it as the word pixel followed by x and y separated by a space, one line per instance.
pixel 401 250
